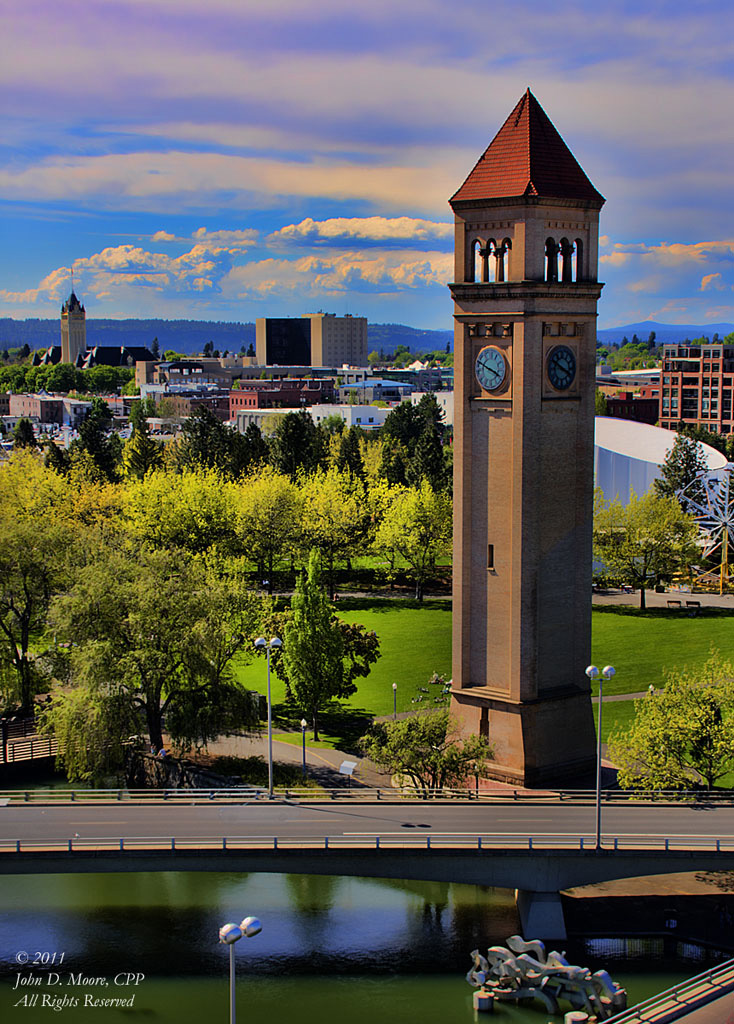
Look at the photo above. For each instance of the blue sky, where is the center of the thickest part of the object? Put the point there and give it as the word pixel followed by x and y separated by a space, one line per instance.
pixel 241 158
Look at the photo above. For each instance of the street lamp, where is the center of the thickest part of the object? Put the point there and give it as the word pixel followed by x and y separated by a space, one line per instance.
pixel 394 701
pixel 593 673
pixel 229 934
pixel 268 645
pixel 304 723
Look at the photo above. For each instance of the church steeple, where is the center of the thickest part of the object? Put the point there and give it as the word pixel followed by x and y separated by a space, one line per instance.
pixel 73 328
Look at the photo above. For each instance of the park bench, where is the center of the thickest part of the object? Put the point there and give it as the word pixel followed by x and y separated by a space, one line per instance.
pixel 694 607
pixel 674 604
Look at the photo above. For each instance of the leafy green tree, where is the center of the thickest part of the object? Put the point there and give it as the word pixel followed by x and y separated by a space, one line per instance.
pixel 683 464
pixel 423 748
pixel 158 631
pixel 335 517
pixel 647 542
pixel 418 527
pixel 681 734
pixel 600 403
pixel 23 436
pixel 268 519
pixel 36 539
pixel 193 511
pixel 321 657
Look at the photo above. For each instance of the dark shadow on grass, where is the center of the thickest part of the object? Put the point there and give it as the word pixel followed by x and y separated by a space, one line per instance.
pixel 345 724
pixel 390 604
pixel 672 614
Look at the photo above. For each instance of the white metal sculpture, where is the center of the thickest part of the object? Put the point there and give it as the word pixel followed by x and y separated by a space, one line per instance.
pixel 524 971
pixel 710 500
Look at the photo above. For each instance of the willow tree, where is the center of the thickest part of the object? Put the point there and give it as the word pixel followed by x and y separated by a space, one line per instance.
pixel 155 632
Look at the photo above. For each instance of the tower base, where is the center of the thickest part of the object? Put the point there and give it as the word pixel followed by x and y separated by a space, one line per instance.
pixel 545 742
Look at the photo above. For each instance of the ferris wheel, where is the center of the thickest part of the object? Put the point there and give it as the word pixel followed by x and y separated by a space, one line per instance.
pixel 710 500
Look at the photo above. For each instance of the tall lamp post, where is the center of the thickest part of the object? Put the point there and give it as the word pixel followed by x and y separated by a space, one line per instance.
pixel 394 701
pixel 229 934
pixel 593 673
pixel 304 723
pixel 268 645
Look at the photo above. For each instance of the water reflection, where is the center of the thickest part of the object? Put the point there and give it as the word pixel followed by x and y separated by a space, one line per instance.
pixel 393 950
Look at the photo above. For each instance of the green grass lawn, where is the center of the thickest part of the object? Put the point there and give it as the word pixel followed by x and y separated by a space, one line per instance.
pixel 416 642
pixel 642 646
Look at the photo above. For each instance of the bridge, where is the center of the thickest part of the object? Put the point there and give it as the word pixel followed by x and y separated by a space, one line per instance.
pixel 536 848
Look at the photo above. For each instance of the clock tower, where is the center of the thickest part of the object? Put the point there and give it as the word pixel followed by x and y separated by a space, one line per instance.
pixel 525 296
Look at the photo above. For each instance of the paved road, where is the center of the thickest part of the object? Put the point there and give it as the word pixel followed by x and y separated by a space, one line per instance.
pixel 287 820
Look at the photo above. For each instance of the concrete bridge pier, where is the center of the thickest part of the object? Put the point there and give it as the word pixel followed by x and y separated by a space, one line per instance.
pixel 541 915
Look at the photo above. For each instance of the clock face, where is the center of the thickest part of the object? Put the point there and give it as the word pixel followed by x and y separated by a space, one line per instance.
pixel 561 367
pixel 490 368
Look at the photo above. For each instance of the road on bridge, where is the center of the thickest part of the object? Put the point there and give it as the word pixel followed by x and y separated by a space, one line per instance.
pixel 261 818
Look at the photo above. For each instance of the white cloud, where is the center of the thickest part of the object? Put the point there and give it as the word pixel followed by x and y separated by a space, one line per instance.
pixel 163 236
pixel 377 229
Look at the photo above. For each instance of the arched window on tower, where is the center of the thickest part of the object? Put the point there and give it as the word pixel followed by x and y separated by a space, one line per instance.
pixel 503 259
pixel 579 270
pixel 489 267
pixel 551 260
pixel 567 249
pixel 475 269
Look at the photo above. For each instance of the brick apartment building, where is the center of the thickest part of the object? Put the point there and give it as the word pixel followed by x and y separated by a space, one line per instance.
pixel 696 386
pixel 280 394
pixel 627 405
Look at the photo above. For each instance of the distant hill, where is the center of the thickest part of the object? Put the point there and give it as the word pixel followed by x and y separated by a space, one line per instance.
pixel 664 333
pixel 189 336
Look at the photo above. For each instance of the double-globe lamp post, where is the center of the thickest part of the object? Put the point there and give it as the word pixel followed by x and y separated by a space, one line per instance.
pixel 268 645
pixel 304 723
pixel 229 934
pixel 593 673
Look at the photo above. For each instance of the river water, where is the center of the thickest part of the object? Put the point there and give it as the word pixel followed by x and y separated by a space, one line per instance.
pixel 333 950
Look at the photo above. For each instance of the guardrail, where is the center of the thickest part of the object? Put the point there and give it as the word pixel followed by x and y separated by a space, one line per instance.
pixel 240 793
pixel 435 842
pixel 674 1003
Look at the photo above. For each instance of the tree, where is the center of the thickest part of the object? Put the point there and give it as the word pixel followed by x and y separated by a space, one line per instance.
pixel 682 733
pixel 645 543
pixel 36 539
pixel 335 517
pixel 23 436
pixel 193 511
pixel 683 464
pixel 155 348
pixel 349 457
pixel 298 445
pixel 417 526
pixel 95 439
pixel 424 748
pixel 600 403
pixel 142 453
pixel 269 519
pixel 207 443
pixel 156 631
pixel 321 657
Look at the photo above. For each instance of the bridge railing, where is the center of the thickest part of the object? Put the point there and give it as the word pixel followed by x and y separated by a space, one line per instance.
pixel 28 750
pixel 435 842
pixel 671 1004
pixel 353 793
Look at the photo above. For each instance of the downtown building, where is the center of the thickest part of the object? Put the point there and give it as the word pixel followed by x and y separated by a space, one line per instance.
pixel 314 339
pixel 696 386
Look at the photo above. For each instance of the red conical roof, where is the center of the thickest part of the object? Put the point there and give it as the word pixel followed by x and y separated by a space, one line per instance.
pixel 527 157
